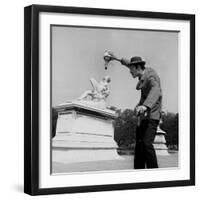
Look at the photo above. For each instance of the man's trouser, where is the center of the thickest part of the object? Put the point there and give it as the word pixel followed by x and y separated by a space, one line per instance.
pixel 145 155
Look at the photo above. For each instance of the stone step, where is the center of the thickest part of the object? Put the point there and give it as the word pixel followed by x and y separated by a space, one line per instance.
pixel 83 144
pixel 83 137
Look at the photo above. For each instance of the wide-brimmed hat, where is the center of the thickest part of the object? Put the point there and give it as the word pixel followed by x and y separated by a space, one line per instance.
pixel 136 60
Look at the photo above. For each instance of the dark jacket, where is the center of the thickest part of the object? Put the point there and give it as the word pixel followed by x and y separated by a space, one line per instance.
pixel 151 93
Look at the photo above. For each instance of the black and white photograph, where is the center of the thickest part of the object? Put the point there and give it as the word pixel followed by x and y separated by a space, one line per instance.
pixel 114 99
pixel 109 95
pixel 99 100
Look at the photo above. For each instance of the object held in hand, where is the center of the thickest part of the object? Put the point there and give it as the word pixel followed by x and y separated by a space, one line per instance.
pixel 108 56
pixel 141 110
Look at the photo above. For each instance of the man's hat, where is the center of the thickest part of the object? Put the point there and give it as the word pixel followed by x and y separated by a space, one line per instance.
pixel 136 60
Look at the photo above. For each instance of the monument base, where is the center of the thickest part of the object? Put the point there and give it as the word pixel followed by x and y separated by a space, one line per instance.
pixel 161 149
pixel 68 156
pixel 84 134
pixel 160 143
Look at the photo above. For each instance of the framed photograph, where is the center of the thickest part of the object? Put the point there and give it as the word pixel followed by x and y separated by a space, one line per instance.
pixel 109 99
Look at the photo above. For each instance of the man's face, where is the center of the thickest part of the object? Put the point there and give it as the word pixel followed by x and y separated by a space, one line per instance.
pixel 134 71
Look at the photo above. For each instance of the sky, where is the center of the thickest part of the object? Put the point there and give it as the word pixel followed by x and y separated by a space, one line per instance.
pixel 77 55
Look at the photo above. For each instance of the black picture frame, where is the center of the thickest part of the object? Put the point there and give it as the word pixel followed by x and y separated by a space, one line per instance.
pixel 31 98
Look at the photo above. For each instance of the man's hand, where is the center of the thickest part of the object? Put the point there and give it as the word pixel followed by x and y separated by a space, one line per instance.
pixel 109 56
pixel 140 110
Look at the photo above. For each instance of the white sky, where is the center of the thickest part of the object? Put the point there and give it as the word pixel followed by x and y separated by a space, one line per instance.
pixel 77 55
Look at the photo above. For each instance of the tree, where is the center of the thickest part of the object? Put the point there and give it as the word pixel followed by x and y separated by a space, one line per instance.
pixel 125 128
pixel 54 121
pixel 170 126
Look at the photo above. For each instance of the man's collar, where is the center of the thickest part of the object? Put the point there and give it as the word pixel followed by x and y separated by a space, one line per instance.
pixel 143 75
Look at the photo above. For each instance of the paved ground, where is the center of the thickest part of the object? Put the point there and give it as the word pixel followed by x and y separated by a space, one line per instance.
pixel 126 162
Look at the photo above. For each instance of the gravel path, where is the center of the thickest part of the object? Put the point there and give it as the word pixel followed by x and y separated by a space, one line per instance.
pixel 124 164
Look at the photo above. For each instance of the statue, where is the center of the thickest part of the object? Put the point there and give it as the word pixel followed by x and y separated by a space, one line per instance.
pixel 97 96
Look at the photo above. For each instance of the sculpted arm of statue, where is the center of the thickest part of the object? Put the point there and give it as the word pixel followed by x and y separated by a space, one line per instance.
pixel 85 95
pixel 94 84
pixel 90 93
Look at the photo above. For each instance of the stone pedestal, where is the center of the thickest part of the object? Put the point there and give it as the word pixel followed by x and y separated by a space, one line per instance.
pixel 160 143
pixel 84 134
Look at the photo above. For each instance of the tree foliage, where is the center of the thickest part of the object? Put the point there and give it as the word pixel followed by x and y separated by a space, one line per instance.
pixel 54 121
pixel 125 128
pixel 170 126
pixel 126 123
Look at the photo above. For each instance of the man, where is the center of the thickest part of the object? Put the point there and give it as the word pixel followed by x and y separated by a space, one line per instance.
pixel 148 111
pixel 149 104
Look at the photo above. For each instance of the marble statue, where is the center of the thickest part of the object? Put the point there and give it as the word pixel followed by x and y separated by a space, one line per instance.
pixel 97 96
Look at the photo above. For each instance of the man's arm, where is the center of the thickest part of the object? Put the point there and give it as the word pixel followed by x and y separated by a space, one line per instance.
pixel 154 93
pixel 138 104
pixel 125 62
pixel 110 56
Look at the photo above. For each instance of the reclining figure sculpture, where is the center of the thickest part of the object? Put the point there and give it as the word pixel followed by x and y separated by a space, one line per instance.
pixel 97 96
